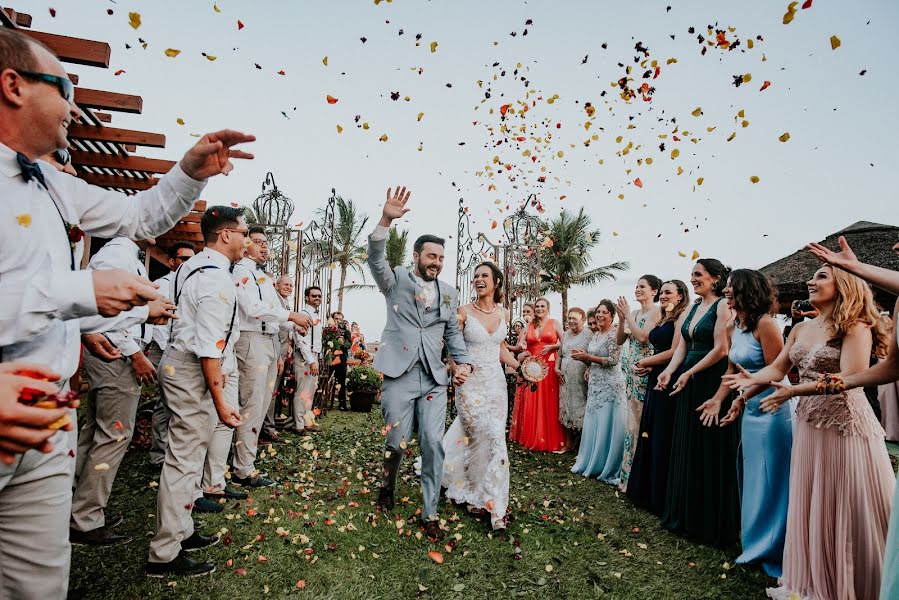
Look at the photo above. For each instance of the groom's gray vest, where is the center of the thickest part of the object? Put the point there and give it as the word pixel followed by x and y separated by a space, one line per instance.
pixel 414 333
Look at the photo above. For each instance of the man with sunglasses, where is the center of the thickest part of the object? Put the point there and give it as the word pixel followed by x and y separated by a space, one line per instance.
pixel 178 254
pixel 308 347
pixel 43 216
pixel 261 315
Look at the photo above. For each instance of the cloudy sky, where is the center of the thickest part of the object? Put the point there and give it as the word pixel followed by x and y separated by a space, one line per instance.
pixel 838 166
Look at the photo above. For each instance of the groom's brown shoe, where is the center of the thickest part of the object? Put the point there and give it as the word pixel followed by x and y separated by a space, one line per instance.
pixel 385 500
pixel 432 530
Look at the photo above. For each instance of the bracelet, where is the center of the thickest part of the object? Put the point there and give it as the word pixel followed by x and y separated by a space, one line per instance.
pixel 829 383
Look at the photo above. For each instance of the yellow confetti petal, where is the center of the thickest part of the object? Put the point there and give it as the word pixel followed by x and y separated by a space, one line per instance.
pixel 169 370
pixel 732 136
pixel 179 121
pixel 134 19
pixel 433 47
pixel 420 115
pixel 697 111
pixel 700 180
pixel 339 129
pixel 754 179
pixel 695 255
pixel 216 8
pixel 785 137
pixel 383 137
pixel 172 52
pixel 675 153
pixel 325 61
pixel 101 467
pixel 682 254
pixel 834 42
pixel 210 57
pixel 24 220
pixel 747 77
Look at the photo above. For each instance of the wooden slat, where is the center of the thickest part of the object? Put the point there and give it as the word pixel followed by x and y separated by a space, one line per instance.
pixel 186 228
pixel 20 19
pixel 200 205
pixel 193 217
pixel 118 181
pixel 129 147
pixel 117 161
pixel 187 237
pixel 127 103
pixel 112 134
pixel 103 117
pixel 75 50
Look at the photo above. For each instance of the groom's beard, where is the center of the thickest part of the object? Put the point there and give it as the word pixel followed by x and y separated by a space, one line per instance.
pixel 424 274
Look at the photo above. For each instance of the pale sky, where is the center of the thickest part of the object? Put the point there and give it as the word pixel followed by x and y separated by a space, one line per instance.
pixel 822 179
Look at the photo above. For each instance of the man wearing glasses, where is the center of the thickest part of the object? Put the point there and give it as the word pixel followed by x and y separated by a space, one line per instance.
pixel 178 255
pixel 261 314
pixel 43 294
pixel 305 363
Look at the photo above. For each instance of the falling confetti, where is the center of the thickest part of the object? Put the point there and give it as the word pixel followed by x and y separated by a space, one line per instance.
pixel 785 137
pixel 24 220
pixel 134 19
pixel 834 42
pixel 172 52
pixel 331 99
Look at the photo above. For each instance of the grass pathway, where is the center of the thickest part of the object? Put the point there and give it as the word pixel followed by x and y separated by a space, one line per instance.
pixel 319 536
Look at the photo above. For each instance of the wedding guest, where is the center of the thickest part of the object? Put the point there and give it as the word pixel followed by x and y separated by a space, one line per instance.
pixel 841 479
pixel 283 396
pixel 115 389
pixel 178 254
pixel 883 372
pixel 702 501
pixel 197 372
pixel 45 294
pixel 540 428
pixel 633 335
pixel 343 343
pixel 648 483
pixel 605 420
pixel 755 342
pixel 572 385
pixel 519 345
pixel 308 347
pixel 260 314
pixel 591 321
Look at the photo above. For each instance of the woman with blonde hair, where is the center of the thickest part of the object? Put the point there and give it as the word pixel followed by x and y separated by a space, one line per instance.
pixel 841 479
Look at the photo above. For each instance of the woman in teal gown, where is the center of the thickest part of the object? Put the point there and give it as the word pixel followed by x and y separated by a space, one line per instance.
pixel 703 502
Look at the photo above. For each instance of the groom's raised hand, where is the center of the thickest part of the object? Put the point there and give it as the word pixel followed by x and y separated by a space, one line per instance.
pixel 395 207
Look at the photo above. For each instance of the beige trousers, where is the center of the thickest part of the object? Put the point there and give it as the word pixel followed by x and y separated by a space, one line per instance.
pixel 307 383
pixel 35 505
pixel 217 457
pixel 255 358
pixel 104 439
pixel 160 421
pixel 192 419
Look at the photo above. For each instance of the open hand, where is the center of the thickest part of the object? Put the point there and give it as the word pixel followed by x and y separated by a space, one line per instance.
pixel 212 154
pixel 663 380
pixel 733 414
pixel 681 382
pixel 782 393
pixel 708 412
pixel 622 308
pixel 395 206
pixel 739 380
pixel 841 259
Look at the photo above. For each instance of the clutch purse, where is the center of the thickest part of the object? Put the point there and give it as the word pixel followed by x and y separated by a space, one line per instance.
pixel 534 369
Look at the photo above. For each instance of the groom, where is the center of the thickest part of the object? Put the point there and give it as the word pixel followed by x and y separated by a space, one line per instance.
pixel 421 316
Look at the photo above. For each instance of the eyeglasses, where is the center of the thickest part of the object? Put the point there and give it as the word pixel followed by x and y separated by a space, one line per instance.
pixel 313 296
pixel 259 242
pixel 63 84
pixel 182 258
pixel 242 232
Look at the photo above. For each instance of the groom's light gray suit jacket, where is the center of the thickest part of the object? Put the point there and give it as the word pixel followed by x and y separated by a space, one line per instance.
pixel 412 332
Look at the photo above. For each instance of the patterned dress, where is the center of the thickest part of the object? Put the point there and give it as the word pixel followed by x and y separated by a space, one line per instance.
pixel 635 389
pixel 573 389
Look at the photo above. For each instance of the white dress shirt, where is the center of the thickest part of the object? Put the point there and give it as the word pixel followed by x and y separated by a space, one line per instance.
pixel 207 315
pixel 41 297
pixel 162 333
pixel 427 290
pixel 122 253
pixel 259 304
pixel 310 345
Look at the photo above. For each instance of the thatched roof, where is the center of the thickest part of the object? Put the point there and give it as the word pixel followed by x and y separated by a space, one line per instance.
pixel 871 242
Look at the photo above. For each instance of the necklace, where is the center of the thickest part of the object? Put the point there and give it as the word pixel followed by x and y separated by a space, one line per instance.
pixel 486 312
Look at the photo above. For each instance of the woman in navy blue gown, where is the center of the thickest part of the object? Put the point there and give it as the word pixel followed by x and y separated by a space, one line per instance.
pixel 649 473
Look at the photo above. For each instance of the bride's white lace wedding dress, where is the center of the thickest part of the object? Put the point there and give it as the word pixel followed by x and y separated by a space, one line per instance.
pixel 476 463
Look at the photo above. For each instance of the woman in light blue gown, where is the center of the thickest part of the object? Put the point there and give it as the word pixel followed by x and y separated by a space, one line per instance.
pixel 605 420
pixel 767 438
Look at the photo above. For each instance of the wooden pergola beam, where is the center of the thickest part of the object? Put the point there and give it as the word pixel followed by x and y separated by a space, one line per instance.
pixel 176 237
pixel 118 181
pixel 113 134
pixel 20 19
pixel 74 50
pixel 103 117
pixel 127 103
pixel 117 161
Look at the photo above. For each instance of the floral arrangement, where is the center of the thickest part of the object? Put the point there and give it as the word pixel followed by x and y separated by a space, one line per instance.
pixel 363 379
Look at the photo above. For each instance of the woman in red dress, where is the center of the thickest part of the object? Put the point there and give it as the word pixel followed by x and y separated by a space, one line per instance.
pixel 537 424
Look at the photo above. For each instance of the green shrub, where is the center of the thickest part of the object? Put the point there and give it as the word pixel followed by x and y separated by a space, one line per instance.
pixel 363 379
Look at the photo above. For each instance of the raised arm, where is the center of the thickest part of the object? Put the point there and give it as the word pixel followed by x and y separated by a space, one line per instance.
pixel 394 208
pixel 845 259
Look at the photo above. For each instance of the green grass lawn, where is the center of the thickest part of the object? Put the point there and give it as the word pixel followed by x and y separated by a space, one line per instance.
pixel 570 538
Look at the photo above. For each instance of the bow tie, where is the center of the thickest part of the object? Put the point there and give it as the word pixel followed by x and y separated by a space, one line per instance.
pixel 260 267
pixel 30 170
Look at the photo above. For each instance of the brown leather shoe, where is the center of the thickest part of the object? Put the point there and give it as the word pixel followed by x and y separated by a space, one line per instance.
pixel 385 500
pixel 432 530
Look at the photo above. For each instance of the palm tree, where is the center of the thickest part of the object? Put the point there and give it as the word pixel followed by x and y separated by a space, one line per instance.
pixel 349 251
pixel 565 263
pixel 396 247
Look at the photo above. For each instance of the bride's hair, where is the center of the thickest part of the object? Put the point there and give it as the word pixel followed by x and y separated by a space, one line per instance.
pixel 855 304
pixel 498 279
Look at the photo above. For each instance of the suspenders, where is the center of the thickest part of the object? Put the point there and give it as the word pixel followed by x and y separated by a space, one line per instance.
pixel 177 295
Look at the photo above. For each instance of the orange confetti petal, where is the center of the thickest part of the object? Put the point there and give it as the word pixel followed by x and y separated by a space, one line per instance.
pixel 638 183
pixel 437 557
pixel 331 99
pixel 239 24
pixel 220 344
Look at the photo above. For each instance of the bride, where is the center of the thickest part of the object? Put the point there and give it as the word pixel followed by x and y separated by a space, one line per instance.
pixel 476 465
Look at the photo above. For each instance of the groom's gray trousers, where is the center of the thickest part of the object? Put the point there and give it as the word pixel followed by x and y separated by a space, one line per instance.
pixel 415 393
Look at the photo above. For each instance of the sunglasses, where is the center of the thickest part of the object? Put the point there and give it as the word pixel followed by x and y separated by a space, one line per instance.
pixel 63 84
